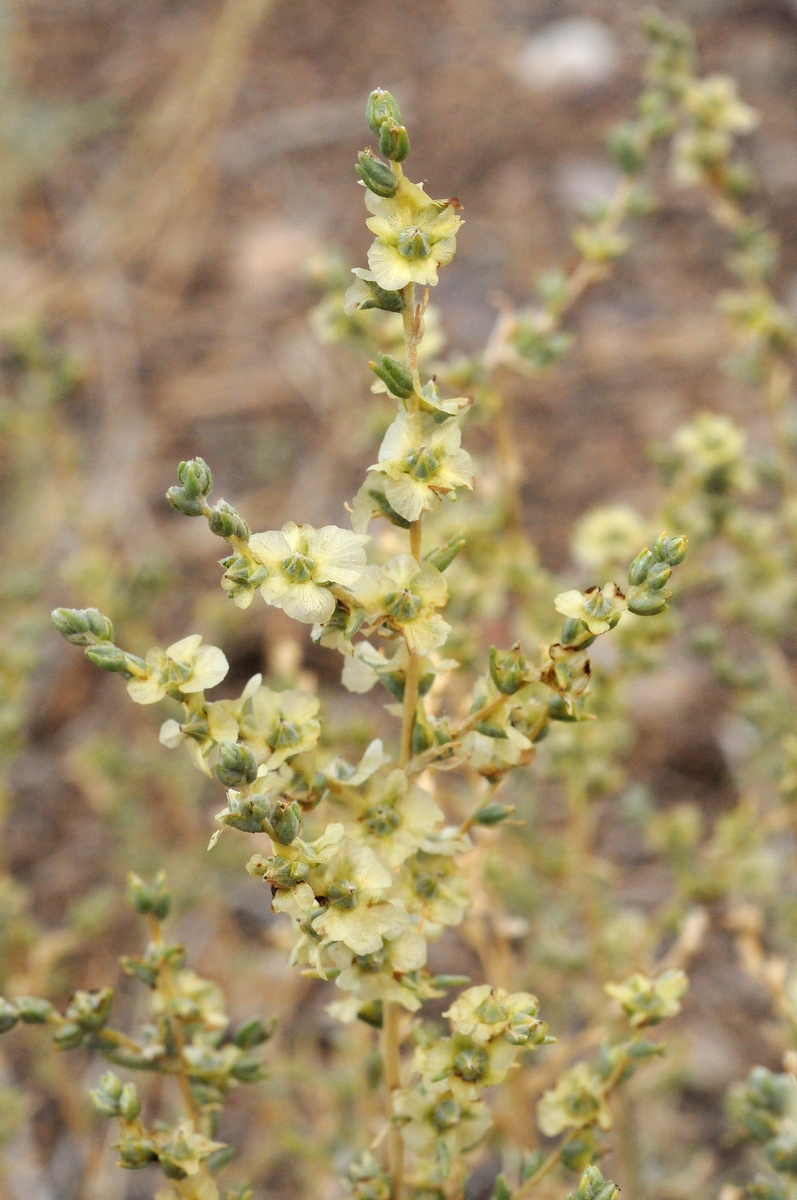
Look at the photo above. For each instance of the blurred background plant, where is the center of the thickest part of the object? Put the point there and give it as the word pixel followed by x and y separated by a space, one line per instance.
pixel 172 181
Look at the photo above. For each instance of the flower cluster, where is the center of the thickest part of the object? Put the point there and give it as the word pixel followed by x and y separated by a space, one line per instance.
pixel 381 876
pixel 188 1039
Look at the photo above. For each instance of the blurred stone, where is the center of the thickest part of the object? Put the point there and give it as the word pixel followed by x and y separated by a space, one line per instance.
pixel 580 182
pixel 569 55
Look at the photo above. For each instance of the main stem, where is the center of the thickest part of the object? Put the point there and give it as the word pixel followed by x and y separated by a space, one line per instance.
pixel 391 1012
pixel 391 1057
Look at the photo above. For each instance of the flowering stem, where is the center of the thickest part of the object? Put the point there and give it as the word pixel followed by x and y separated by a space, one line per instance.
pixel 391 1057
pixel 166 986
pixel 554 1158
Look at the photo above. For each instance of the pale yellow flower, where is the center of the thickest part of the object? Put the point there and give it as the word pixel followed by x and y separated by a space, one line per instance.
pixel 414 236
pixel 302 562
pixel 353 884
pixel 474 1064
pixel 278 725
pixel 405 593
pixel 428 1117
pixel 422 460
pixel 377 976
pixel 484 1012
pixel 576 1100
pixel 431 885
pixel 599 608
pixel 648 1001
pixel 186 666
pixel 396 817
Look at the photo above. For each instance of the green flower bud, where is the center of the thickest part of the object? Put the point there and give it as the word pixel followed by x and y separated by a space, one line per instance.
pixel 129 1103
pixel 253 1033
pixel 372 1014
pixel 69 1036
pixel 380 107
pixel 376 175
pixel 671 550
pixel 397 378
pixel 195 477
pixel 394 141
pixel 647 606
pixel 153 898
pixel 146 972
pixel 626 148
pixel 184 504
pixel 105 1097
pixel 107 657
pixel 33 1011
pixel 136 1152
pixel 91 1010
pixel 781 1153
pixel 82 626
pixel 236 764
pixel 493 814
pixel 638 571
pixel 286 821
pixel 284 874
pixel 444 555
pixel 225 522
pixel 592 1186
pixel 658 575
pixel 508 669
pixel 248 1070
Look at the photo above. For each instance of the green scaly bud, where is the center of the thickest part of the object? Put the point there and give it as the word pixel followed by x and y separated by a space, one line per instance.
pixel 149 898
pixel 196 478
pixel 508 669
pixel 394 375
pixel 225 522
pixel 376 175
pixel 394 141
pixel 236 764
pixel 82 626
pixel 380 107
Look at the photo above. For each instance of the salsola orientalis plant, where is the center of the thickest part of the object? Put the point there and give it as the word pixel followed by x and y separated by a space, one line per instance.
pixel 359 856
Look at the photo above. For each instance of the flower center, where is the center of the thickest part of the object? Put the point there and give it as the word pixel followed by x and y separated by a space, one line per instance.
pixel 298 567
pixel 196 727
pixel 426 886
pixel 412 243
pixel 403 605
pixel 491 1012
pixel 285 734
pixel 422 463
pixel 471 1063
pixel 285 873
pixel 176 672
pixel 381 820
pixel 343 894
pixel 445 1115
pixel 372 962
pixel 598 605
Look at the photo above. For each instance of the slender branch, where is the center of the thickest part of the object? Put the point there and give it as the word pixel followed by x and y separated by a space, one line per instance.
pixel 555 1157
pixel 166 984
pixel 391 1057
